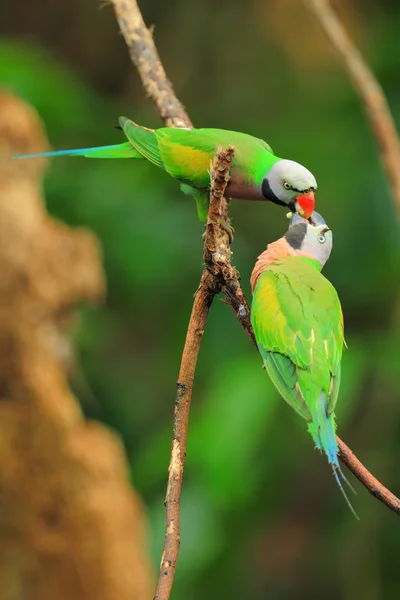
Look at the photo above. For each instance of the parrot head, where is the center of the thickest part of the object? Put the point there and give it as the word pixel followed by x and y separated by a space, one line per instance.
pixel 314 239
pixel 290 184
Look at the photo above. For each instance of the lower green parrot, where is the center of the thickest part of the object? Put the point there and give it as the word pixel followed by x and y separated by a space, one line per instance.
pixel 185 154
pixel 298 325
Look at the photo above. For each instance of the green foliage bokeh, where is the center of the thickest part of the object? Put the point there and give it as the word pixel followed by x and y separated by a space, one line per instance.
pixel 261 514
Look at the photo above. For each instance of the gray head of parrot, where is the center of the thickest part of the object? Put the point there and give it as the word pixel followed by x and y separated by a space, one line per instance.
pixel 315 240
pixel 290 184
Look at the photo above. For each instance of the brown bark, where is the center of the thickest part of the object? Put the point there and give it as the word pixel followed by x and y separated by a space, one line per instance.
pixel 70 524
pixel 375 487
pixel 144 55
pixel 201 305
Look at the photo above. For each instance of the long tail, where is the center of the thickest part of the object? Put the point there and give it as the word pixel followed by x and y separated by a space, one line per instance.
pixel 322 429
pixel 125 150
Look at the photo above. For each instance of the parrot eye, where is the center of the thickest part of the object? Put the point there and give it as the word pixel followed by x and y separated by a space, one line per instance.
pixel 321 238
pixel 287 185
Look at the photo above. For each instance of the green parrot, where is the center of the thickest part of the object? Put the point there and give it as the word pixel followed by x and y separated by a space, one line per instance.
pixel 298 325
pixel 185 154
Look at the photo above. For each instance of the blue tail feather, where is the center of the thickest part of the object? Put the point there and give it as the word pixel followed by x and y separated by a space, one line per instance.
pixel 335 474
pixel 124 150
pixel 322 429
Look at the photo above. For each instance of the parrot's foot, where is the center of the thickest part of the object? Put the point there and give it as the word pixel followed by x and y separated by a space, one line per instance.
pixel 226 226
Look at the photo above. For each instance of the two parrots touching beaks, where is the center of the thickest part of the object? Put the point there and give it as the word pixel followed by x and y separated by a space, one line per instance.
pixel 296 313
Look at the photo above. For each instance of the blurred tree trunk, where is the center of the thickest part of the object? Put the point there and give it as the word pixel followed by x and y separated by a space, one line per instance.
pixel 71 527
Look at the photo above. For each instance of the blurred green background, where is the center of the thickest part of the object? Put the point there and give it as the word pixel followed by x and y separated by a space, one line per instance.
pixel 261 514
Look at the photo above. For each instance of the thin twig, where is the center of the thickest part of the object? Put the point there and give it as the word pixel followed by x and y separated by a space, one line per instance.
pixel 368 89
pixel 235 298
pixel 144 55
pixel 201 305
pixel 369 481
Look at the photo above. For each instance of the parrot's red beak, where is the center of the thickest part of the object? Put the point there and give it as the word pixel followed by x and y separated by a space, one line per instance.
pixel 305 204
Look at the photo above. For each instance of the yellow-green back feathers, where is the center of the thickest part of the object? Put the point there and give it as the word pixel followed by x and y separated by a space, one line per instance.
pixel 298 323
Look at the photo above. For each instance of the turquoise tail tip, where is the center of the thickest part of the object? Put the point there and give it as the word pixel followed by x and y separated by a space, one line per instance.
pixel 125 150
pixel 338 475
pixel 322 430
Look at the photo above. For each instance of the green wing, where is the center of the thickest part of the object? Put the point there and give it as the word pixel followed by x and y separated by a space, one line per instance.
pixel 187 153
pixel 143 140
pixel 298 325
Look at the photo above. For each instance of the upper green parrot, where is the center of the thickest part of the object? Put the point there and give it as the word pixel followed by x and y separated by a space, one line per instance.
pixel 185 154
pixel 298 325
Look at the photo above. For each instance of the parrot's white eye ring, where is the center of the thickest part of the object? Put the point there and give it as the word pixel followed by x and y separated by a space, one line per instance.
pixel 287 185
pixel 321 238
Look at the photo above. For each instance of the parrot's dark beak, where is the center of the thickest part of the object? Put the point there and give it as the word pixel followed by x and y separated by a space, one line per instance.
pixel 295 219
pixel 304 204
pixel 316 220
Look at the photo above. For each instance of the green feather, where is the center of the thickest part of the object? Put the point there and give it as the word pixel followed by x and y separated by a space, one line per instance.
pixel 298 325
pixel 187 154
pixel 143 140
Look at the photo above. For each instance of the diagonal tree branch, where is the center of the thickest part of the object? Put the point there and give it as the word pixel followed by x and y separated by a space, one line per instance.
pixel 367 479
pixel 144 55
pixel 218 276
pixel 369 90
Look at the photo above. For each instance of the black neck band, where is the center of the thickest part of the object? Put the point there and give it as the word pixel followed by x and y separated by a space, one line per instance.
pixel 269 194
